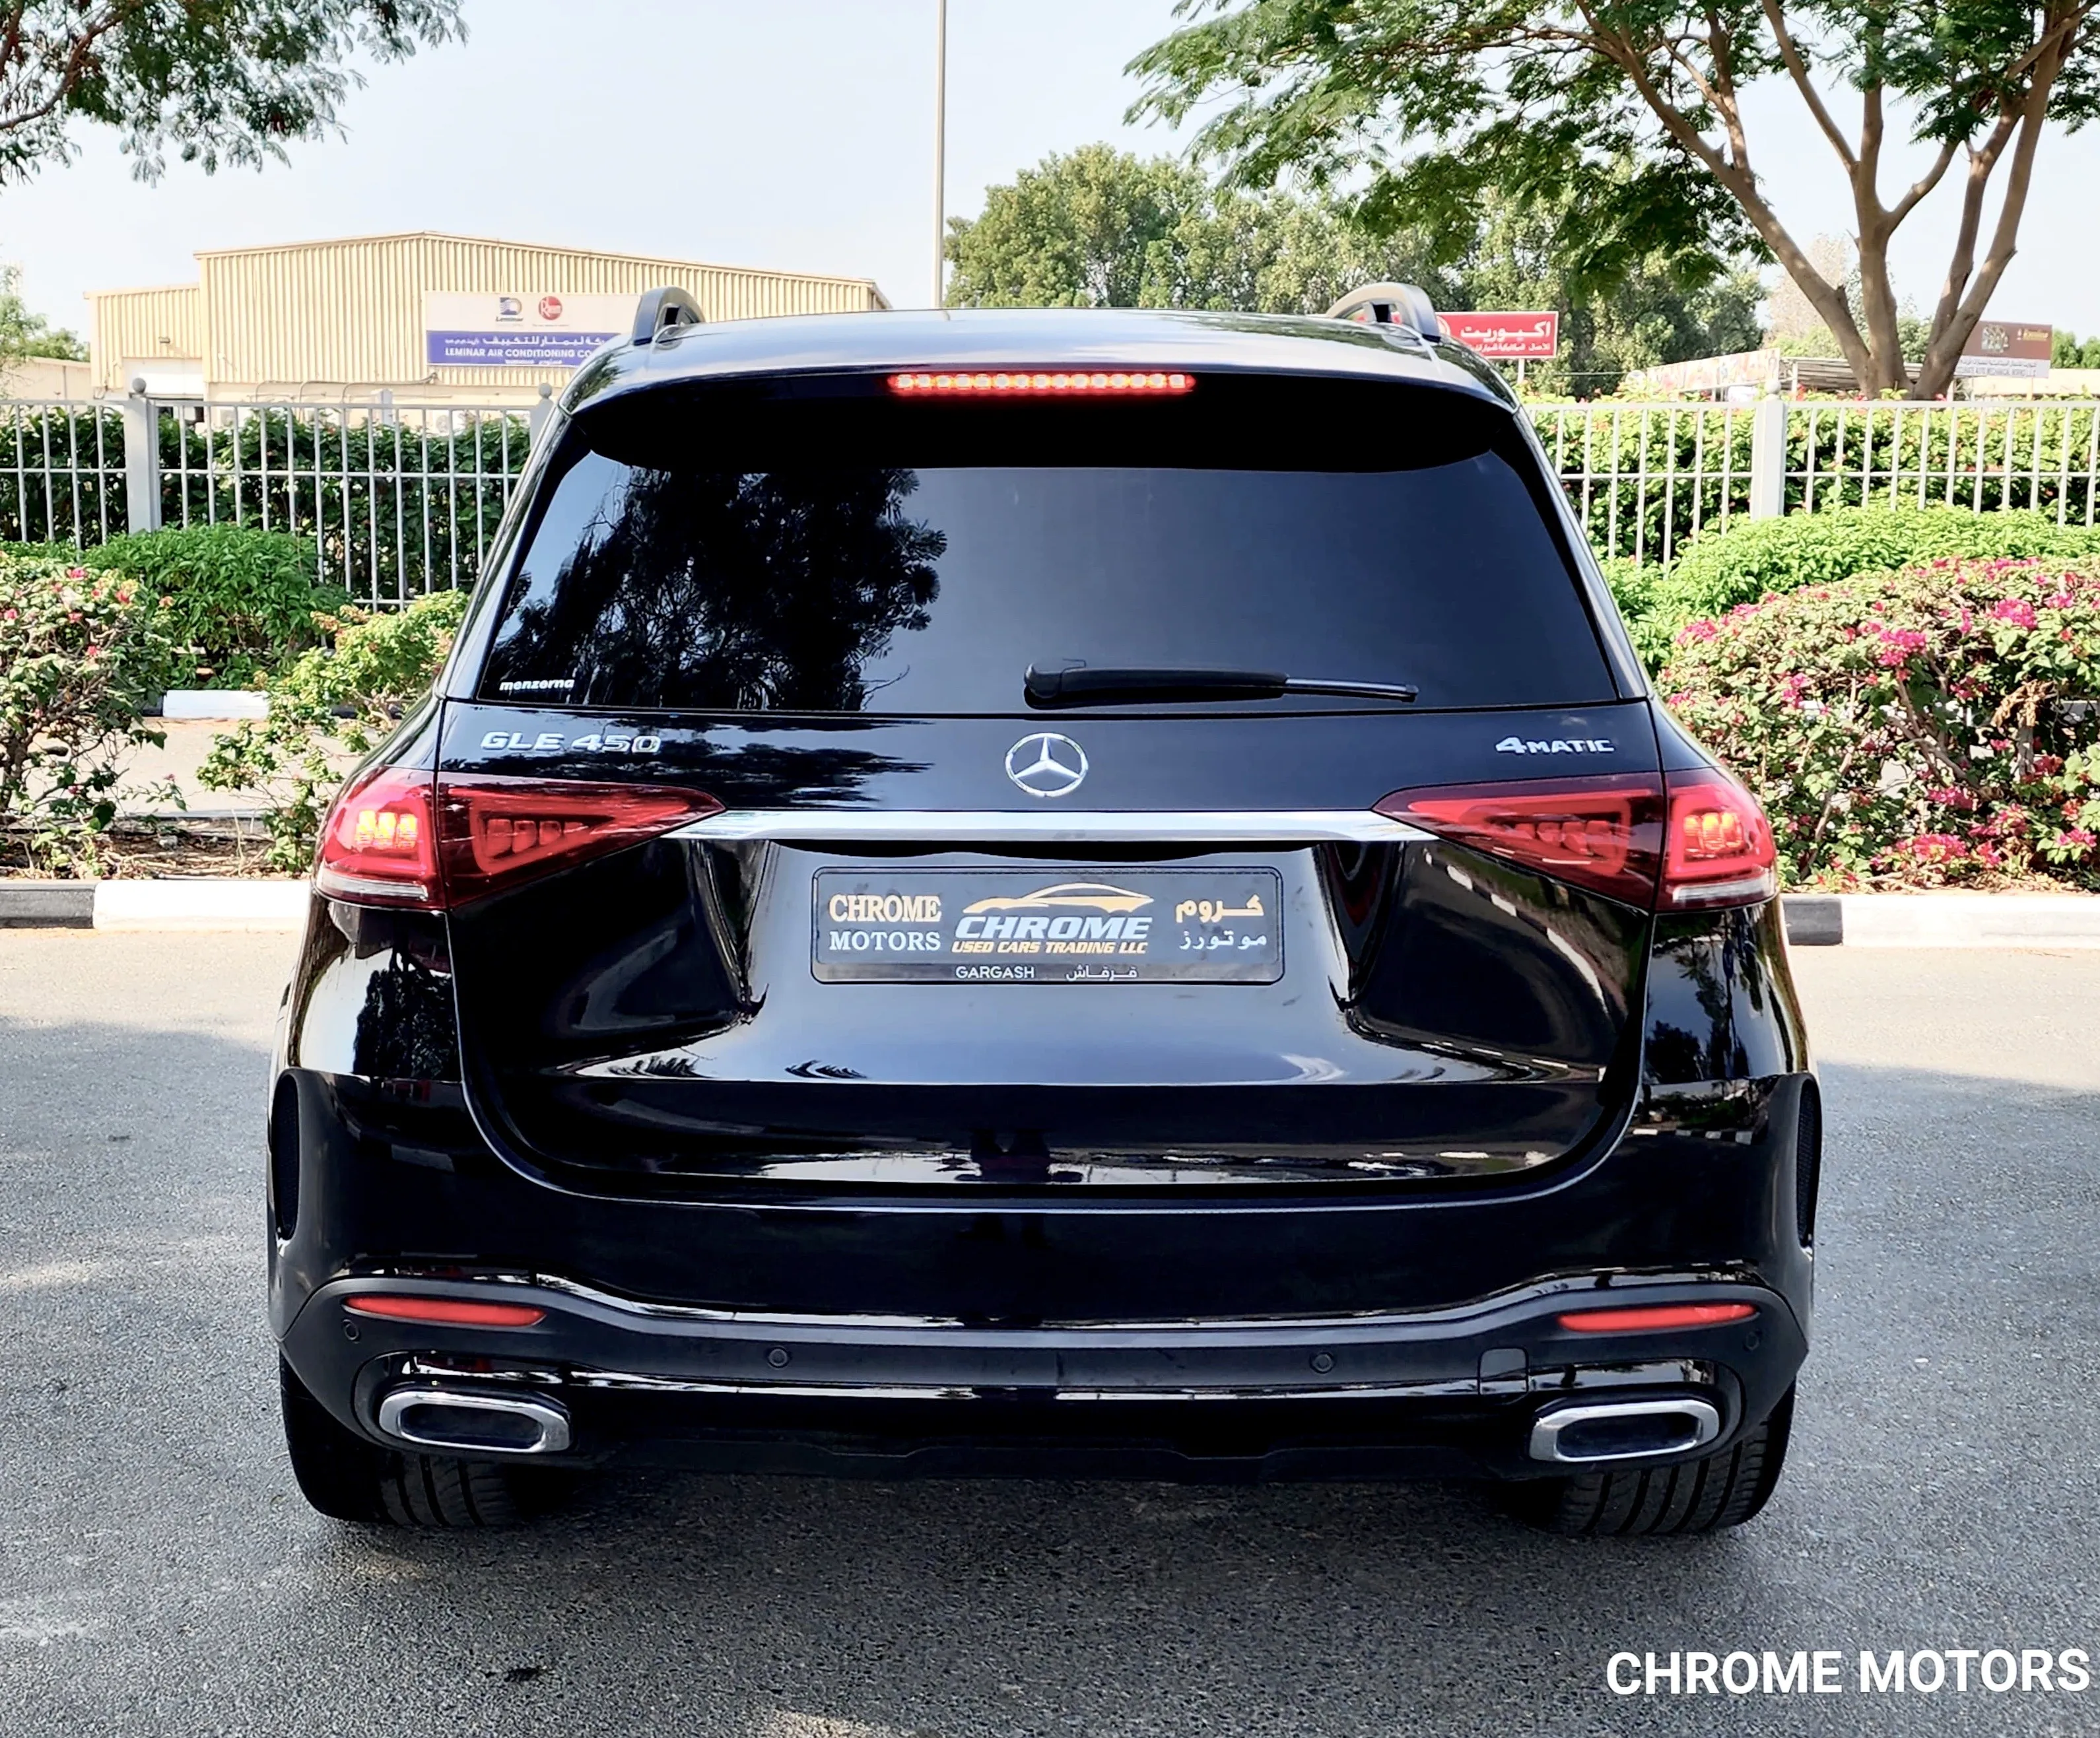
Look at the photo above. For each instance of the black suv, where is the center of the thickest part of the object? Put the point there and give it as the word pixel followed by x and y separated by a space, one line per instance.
pixel 1043 891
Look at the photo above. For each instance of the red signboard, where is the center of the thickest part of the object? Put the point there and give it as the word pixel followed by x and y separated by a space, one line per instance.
pixel 1507 335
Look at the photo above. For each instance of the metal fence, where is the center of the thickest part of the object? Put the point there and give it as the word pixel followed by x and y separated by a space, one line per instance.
pixel 402 500
pixel 398 500
pixel 1645 479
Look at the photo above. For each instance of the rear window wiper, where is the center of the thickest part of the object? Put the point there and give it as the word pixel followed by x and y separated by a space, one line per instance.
pixel 1105 685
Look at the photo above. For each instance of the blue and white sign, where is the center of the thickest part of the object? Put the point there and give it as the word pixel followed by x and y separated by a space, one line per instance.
pixel 526 330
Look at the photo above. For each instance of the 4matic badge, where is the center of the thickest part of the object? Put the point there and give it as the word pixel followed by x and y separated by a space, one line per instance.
pixel 1557 745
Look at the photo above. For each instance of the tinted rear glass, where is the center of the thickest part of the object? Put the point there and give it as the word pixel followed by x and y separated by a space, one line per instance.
pixel 828 550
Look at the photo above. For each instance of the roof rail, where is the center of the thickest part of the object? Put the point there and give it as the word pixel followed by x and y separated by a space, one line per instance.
pixel 1391 305
pixel 660 308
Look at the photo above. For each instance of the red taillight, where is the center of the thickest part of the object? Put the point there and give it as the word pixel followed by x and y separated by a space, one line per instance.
pixel 450 1312
pixel 377 845
pixel 493 831
pixel 1647 1318
pixel 1050 382
pixel 390 840
pixel 1603 834
pixel 1719 845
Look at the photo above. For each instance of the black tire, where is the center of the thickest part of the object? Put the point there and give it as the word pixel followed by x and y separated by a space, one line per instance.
pixel 349 1479
pixel 1709 1495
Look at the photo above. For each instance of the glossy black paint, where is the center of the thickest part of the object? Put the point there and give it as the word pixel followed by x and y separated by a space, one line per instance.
pixel 1477 1093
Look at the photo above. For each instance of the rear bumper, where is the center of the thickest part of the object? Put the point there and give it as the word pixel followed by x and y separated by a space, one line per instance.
pixel 1447 1393
pixel 1203 1336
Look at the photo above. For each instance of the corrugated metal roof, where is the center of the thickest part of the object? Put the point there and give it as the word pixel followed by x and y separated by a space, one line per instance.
pixel 347 314
pixel 163 324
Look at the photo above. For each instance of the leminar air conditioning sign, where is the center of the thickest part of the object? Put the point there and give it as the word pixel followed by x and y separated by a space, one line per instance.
pixel 545 330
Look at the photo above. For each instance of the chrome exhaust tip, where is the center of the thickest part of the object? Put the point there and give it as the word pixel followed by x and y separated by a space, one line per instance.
pixel 456 1421
pixel 1586 1434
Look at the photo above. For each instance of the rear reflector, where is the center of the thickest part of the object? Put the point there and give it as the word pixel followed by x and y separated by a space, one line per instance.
pixel 1062 382
pixel 451 1312
pixel 1603 834
pixel 1646 1318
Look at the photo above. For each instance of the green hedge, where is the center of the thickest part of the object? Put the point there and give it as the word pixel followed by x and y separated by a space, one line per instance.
pixel 1755 557
pixel 244 600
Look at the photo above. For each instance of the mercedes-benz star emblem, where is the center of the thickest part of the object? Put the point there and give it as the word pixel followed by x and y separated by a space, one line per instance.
pixel 1046 764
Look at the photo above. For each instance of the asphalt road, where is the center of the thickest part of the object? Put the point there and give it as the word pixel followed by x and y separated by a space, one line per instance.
pixel 159 1574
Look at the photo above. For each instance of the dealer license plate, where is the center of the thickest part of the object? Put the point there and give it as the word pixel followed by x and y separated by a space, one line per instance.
pixel 1068 926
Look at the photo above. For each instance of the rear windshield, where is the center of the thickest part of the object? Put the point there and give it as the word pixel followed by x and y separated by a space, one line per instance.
pixel 824 548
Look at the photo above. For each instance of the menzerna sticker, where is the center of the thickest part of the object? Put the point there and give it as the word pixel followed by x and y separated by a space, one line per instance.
pixel 1078 926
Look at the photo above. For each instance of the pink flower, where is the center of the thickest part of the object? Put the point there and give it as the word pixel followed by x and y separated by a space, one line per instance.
pixel 1933 848
pixel 2076 839
pixel 1701 629
pixel 2062 600
pixel 76 573
pixel 1989 856
pixel 2048 765
pixel 1791 690
pixel 2016 610
pixel 10 615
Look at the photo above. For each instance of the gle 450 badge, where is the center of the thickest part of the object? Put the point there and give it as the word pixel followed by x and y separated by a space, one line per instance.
pixel 1021 926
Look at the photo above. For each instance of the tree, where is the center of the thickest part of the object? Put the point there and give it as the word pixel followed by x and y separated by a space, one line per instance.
pixel 1431 102
pixel 22 333
pixel 1654 312
pixel 2067 352
pixel 1100 228
pixel 220 81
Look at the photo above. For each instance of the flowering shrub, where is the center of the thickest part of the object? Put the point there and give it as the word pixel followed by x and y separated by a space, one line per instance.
pixel 332 706
pixel 1927 726
pixel 79 653
pixel 1720 569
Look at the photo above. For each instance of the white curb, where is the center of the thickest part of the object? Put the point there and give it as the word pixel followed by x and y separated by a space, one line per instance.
pixel 2001 920
pixel 200 905
pixel 214 702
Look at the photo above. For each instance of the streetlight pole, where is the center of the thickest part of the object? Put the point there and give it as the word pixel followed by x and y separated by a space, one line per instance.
pixel 940 144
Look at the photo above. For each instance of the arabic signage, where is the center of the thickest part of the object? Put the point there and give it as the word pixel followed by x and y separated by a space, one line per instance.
pixel 1506 337
pixel 1023 926
pixel 528 330
pixel 2005 346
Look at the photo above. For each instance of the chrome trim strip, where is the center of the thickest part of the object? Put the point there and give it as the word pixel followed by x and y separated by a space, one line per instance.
pixel 552 1420
pixel 628 1381
pixel 1702 1415
pixel 1055 826
pixel 1364 1325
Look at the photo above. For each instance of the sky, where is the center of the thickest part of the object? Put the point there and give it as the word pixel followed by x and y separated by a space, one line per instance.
pixel 796 134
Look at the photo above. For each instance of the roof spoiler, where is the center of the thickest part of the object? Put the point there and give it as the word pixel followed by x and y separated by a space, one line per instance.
pixel 1391 305
pixel 661 308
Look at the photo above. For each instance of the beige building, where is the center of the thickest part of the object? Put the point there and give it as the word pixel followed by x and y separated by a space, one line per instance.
pixel 422 318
